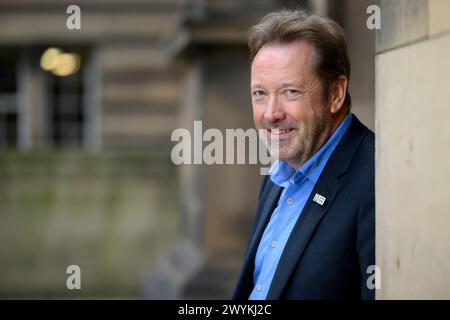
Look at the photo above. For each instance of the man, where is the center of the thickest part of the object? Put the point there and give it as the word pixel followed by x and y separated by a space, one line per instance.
pixel 314 232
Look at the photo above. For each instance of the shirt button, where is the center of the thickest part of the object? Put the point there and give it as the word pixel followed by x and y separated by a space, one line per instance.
pixel 259 287
pixel 274 244
pixel 289 200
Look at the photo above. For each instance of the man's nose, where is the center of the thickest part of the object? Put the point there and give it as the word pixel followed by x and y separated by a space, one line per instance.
pixel 275 111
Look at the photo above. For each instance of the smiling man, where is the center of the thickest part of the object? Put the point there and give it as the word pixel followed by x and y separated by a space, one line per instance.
pixel 314 232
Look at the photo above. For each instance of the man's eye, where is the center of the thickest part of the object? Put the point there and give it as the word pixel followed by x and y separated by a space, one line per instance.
pixel 258 93
pixel 292 92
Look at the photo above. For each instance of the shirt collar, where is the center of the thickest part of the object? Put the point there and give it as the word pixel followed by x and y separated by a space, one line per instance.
pixel 282 173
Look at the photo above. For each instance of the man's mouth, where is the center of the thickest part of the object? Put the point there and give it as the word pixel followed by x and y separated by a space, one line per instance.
pixel 280 133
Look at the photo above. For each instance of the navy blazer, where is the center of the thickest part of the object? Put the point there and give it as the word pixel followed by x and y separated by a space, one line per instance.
pixel 331 246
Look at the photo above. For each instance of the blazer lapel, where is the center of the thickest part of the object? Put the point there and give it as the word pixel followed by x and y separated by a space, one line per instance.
pixel 268 208
pixel 268 205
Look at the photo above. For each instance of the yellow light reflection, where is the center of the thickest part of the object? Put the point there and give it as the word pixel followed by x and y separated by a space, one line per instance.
pixel 49 59
pixel 60 63
pixel 68 63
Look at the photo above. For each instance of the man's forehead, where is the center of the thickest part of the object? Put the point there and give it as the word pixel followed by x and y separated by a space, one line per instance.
pixel 287 63
pixel 296 49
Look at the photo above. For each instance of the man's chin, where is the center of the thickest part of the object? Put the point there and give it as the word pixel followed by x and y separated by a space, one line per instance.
pixel 281 155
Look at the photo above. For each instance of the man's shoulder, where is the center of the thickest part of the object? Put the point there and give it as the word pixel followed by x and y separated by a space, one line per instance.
pixel 362 163
pixel 358 143
pixel 367 145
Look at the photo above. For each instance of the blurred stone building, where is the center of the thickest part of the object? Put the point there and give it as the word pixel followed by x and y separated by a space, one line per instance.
pixel 85 171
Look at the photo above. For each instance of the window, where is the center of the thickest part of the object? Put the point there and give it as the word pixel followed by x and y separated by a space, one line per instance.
pixel 8 98
pixel 65 108
pixel 65 114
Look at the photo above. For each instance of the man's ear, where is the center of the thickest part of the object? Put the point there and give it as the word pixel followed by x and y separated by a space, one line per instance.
pixel 337 94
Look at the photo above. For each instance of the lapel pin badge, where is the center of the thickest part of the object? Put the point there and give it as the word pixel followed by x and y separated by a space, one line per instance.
pixel 319 199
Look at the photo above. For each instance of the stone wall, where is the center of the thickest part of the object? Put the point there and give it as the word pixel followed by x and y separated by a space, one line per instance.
pixel 112 215
pixel 412 154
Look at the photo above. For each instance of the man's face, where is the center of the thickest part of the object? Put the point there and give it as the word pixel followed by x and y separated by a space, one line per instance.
pixel 287 101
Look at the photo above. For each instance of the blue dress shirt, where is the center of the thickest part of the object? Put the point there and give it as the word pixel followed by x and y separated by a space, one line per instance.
pixel 298 186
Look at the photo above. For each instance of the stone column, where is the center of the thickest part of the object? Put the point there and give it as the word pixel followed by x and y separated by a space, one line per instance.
pixel 412 149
